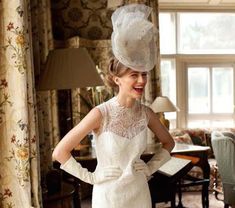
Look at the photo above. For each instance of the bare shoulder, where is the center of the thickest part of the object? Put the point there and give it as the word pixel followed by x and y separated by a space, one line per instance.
pixel 149 111
pixel 94 114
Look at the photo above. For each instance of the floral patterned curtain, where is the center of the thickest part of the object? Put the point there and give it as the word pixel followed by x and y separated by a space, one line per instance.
pixel 19 157
pixel 25 39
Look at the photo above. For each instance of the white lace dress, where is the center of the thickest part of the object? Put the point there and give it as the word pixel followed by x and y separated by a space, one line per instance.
pixel 120 142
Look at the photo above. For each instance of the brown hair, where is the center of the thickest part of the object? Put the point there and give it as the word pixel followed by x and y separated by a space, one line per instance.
pixel 115 68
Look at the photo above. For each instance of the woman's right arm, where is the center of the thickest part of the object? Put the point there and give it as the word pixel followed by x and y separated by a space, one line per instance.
pixel 91 121
pixel 62 152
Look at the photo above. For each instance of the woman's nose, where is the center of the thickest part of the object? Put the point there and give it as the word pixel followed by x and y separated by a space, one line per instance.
pixel 141 78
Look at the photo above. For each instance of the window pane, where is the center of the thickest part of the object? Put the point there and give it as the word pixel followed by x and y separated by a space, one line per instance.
pixel 206 32
pixel 198 90
pixel 167 33
pixel 168 84
pixel 228 123
pixel 222 79
pixel 168 78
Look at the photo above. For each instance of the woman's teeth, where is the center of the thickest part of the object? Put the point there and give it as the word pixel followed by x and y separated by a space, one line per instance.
pixel 139 89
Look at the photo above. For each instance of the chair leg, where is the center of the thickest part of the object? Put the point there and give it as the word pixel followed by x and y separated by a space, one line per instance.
pixel 226 206
pixel 180 204
pixel 205 196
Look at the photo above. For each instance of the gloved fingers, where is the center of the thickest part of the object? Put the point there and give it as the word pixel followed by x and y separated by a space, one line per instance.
pixel 140 165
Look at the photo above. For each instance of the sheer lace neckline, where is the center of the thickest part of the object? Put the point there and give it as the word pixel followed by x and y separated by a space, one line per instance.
pixel 116 103
pixel 123 121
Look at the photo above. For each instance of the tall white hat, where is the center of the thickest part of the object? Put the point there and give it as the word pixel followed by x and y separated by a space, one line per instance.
pixel 134 37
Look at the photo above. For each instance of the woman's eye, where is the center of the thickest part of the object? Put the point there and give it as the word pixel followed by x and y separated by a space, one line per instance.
pixel 144 75
pixel 134 75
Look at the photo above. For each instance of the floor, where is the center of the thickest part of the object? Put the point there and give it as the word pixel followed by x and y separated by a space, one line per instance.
pixel 190 200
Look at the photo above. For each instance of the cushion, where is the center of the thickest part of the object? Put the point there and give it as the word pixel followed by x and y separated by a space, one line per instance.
pixel 229 134
pixel 185 139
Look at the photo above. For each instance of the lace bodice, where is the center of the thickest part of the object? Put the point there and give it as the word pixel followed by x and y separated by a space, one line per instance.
pixel 123 121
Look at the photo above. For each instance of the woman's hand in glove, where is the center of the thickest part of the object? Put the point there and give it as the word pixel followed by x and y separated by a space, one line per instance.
pixel 141 167
pixel 74 168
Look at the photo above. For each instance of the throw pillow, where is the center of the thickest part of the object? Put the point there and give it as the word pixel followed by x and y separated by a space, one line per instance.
pixel 186 139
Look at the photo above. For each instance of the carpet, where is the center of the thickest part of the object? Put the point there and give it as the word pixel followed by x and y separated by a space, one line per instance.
pixel 189 199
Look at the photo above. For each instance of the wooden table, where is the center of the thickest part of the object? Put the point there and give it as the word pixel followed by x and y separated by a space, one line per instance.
pixel 199 152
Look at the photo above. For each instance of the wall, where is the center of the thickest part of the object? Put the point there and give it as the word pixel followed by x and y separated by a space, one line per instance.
pixel 88 19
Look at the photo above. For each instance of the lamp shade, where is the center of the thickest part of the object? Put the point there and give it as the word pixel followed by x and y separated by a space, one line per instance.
pixel 68 69
pixel 163 104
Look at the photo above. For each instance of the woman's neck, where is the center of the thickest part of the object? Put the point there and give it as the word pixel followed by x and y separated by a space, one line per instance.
pixel 125 101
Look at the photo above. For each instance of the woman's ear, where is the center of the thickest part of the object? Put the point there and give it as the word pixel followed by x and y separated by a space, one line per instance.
pixel 116 80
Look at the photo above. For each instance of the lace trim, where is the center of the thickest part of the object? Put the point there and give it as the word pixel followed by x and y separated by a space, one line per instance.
pixel 123 121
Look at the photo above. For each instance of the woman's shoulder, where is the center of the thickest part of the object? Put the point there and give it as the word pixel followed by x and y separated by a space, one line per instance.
pixel 103 107
pixel 145 107
pixel 147 111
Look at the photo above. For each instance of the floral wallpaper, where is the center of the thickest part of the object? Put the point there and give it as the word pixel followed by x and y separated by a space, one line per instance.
pixel 84 18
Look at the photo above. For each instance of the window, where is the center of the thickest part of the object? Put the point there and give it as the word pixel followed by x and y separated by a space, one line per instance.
pixel 206 33
pixel 210 96
pixel 167 32
pixel 168 86
pixel 197 66
pixel 197 33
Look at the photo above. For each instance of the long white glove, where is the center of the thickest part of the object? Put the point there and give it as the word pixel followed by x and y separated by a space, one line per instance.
pixel 158 159
pixel 107 173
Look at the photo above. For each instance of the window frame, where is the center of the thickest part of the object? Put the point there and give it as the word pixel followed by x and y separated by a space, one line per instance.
pixel 182 60
pixel 181 81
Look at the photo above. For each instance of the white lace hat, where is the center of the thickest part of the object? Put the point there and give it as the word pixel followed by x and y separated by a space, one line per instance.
pixel 134 37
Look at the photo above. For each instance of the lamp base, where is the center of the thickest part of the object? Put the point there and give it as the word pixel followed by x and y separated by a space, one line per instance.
pixel 164 121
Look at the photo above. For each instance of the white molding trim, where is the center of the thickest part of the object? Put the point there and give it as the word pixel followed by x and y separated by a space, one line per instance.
pixel 197 5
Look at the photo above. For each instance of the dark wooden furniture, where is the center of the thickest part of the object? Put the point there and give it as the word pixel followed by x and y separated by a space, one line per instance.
pixel 63 198
pixel 199 157
pixel 60 192
pixel 163 188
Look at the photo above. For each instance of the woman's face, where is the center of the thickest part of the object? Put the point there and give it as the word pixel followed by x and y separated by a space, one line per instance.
pixel 132 83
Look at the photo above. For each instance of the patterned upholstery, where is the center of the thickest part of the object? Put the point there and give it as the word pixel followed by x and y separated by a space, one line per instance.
pixel 224 149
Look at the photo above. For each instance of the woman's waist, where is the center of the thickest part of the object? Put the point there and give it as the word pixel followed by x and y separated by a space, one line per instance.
pixel 125 180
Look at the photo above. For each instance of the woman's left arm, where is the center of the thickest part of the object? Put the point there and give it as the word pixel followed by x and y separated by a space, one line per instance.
pixel 160 131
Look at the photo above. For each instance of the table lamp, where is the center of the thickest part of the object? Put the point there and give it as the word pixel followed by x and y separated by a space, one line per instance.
pixel 161 105
pixel 68 69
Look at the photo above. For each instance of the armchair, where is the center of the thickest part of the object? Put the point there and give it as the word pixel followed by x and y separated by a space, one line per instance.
pixel 223 144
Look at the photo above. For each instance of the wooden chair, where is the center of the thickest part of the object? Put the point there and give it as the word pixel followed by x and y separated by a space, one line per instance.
pixel 60 194
pixel 189 180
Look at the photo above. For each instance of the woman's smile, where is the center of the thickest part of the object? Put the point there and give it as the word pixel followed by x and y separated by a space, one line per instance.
pixel 139 89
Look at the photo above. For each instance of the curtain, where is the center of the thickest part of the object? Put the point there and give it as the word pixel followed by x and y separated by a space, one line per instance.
pixel 19 157
pixel 25 39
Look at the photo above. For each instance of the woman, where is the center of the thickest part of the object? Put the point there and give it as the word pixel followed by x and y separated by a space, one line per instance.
pixel 120 124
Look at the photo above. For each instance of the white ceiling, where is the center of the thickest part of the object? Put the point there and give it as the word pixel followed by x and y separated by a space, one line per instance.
pixel 198 4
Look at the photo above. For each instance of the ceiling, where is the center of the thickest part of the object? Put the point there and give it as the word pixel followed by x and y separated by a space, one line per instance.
pixel 198 4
